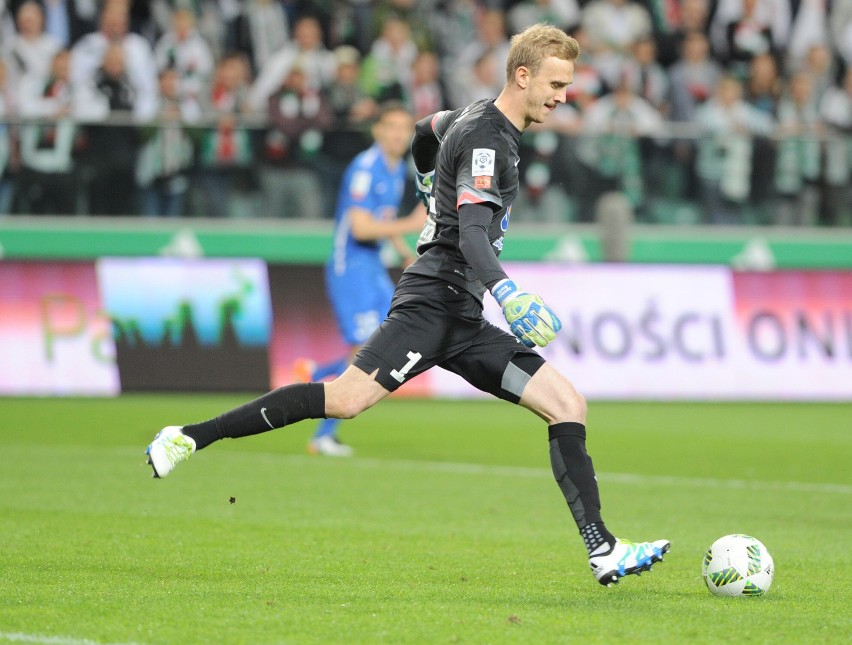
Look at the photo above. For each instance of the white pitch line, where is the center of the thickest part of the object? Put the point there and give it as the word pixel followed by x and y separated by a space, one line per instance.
pixel 21 637
pixel 609 478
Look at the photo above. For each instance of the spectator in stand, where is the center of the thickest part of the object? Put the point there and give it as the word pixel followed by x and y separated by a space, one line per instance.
pixel 774 14
pixel 481 84
pixel 645 77
pixel 673 20
pixel 353 24
pixel 564 14
pixel 411 12
pixel 298 115
pixel 47 183
pixel 425 94
pixel 451 26
pixel 667 26
pixel 7 21
pixel 268 29
pixel 183 49
pixel 836 112
pixel 7 110
pixel 138 66
pixel 225 155
pixel 809 29
pixel 306 51
pixel 763 88
pixel 31 50
pixel 724 162
pixel 353 107
pixel 819 66
pixel 612 26
pixel 386 70
pixel 65 20
pixel 111 148
pixel 840 24
pixel 763 91
pixel 588 83
pixel 746 38
pixel 166 151
pixel 610 145
pixel 694 16
pixel 353 111
pixel 798 167
pixel 491 39
pixel 692 80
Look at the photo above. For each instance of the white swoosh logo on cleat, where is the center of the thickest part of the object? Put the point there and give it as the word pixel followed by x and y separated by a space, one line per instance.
pixel 263 414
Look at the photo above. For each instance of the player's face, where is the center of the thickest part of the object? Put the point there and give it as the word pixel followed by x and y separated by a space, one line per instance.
pixel 547 88
pixel 393 133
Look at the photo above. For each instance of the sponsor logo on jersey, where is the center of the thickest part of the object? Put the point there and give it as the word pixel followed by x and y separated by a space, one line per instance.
pixel 482 183
pixel 504 223
pixel 483 162
pixel 359 185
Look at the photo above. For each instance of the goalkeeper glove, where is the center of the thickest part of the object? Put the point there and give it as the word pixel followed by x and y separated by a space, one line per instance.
pixel 532 321
pixel 423 185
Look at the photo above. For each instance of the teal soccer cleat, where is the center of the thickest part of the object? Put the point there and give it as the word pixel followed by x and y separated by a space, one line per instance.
pixel 626 558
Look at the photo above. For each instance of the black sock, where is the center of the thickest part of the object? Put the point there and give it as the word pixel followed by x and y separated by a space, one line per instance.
pixel 276 409
pixel 575 474
pixel 594 535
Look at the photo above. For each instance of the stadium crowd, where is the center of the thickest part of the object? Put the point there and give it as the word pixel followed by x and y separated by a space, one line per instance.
pixel 707 111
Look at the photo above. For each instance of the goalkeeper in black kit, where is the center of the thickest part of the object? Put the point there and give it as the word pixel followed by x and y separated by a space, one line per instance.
pixel 467 174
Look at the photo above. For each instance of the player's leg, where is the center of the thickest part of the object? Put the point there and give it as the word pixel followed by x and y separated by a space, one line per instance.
pixel 343 398
pixel 552 396
pixel 409 342
pixel 496 363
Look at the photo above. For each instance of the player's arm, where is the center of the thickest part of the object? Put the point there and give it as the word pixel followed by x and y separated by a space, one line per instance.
pixel 404 251
pixel 532 321
pixel 365 228
pixel 424 149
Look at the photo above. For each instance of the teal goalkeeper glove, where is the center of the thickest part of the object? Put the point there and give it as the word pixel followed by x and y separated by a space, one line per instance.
pixel 532 321
pixel 423 186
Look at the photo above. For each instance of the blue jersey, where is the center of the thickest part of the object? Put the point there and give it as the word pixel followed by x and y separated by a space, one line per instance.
pixel 358 284
pixel 370 185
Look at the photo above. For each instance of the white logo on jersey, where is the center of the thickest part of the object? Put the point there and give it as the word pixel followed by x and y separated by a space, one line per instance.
pixel 359 185
pixel 483 162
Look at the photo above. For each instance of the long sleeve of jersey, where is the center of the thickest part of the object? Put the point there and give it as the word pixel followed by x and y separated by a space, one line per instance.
pixel 474 220
pixel 424 145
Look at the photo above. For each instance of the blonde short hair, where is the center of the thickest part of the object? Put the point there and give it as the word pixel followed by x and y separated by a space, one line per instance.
pixel 537 42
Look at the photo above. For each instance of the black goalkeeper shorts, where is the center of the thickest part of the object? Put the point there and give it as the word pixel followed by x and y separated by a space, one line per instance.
pixel 432 322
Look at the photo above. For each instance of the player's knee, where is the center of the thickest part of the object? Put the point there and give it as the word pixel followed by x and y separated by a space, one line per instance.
pixel 578 405
pixel 571 406
pixel 344 407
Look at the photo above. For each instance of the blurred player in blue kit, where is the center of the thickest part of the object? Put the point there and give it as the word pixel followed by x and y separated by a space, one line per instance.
pixel 467 169
pixel 357 281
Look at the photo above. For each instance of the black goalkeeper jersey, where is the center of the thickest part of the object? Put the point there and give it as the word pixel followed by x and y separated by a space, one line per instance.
pixel 477 163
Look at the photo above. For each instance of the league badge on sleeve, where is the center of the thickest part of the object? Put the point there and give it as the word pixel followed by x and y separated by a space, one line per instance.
pixel 483 162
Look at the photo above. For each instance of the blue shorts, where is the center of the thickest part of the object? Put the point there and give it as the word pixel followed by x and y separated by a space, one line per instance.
pixel 360 297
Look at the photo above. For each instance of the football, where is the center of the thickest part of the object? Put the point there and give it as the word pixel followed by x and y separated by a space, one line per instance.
pixel 738 565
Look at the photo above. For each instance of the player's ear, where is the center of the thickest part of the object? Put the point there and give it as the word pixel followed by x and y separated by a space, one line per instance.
pixel 522 76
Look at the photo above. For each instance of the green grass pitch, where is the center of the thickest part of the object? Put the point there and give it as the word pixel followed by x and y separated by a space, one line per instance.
pixel 447 527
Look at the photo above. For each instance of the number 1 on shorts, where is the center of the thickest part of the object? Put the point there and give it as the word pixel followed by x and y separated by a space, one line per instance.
pixel 399 375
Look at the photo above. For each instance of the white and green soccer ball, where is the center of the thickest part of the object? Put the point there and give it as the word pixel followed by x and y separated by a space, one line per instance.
pixel 738 565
